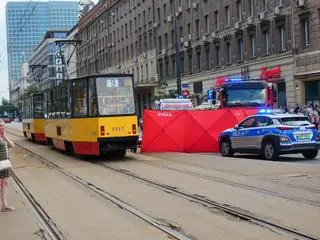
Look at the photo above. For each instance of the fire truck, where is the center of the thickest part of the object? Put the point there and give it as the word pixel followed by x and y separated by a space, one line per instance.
pixel 241 92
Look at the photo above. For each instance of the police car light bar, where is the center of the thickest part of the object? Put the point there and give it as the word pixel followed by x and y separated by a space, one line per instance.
pixel 270 111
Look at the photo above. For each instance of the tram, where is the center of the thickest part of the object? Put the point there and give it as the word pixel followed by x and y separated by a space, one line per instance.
pixel 92 115
pixel 33 121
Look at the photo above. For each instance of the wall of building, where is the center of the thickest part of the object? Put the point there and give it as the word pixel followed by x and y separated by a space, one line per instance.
pixel 307 58
pixel 217 38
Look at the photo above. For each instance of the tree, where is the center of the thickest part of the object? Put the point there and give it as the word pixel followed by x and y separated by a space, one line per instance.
pixel 161 91
pixel 5 102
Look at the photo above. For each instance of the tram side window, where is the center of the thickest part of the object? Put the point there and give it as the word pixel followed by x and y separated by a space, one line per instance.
pixel 51 105
pixel 79 98
pixel 37 106
pixel 45 104
pixel 93 108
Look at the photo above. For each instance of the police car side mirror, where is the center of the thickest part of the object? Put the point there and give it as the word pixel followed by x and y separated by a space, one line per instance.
pixel 236 127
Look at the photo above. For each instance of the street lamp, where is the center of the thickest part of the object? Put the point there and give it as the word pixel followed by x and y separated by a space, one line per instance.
pixel 177 48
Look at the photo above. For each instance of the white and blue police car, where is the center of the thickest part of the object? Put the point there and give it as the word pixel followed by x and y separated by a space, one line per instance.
pixel 271 133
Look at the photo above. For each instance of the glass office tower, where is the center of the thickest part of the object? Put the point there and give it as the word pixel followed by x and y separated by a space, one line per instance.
pixel 27 23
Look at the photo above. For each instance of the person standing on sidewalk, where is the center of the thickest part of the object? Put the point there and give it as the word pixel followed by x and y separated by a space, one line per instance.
pixel 4 174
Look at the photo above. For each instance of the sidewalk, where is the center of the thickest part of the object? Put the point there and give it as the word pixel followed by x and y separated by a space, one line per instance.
pixel 20 224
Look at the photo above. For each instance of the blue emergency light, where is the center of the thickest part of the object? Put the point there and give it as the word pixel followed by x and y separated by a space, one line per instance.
pixel 270 111
pixel 265 111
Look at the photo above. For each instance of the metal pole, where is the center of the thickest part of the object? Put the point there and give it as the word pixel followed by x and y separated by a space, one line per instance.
pixel 177 49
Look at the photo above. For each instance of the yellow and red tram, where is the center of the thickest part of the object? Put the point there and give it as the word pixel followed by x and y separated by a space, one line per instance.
pixel 92 115
pixel 33 121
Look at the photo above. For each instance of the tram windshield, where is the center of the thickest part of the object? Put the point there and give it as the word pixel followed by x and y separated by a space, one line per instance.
pixel 115 95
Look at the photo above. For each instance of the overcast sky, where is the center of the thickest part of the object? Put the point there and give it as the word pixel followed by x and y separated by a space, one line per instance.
pixel 4 85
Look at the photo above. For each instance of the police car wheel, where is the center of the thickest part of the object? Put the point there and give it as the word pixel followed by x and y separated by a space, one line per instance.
pixel 310 154
pixel 269 151
pixel 225 148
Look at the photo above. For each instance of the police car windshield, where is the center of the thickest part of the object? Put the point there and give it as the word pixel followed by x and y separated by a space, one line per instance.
pixel 246 97
pixel 294 121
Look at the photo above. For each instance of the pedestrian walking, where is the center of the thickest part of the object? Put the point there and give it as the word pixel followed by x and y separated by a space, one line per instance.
pixel 315 117
pixel 5 167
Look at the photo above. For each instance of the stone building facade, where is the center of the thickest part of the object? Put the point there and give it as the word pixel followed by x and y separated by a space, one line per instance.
pixel 307 55
pixel 223 37
pixel 119 37
pixel 215 38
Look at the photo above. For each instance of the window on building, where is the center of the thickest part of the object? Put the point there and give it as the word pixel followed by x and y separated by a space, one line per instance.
pixel 132 50
pixel 216 20
pixel 239 10
pixel 198 61
pixel 161 70
pixel 265 5
pixel 190 63
pixel 207 59
pixel 217 56
pixel 189 29
pixel 142 78
pixel 266 42
pixel 147 71
pixel 240 49
pixel 172 38
pixel 188 3
pixel 227 15
pixel 305 31
pixel 197 26
pixel 166 40
pixel 167 68
pixel 159 15
pixel 149 14
pixel 251 7
pixel 280 3
pixel 228 52
pixel 182 65
pixel 165 11
pixel 126 30
pixel 160 43
pixel 144 18
pixel 173 66
pixel 252 40
pixel 181 32
pixel 282 38
pixel 207 25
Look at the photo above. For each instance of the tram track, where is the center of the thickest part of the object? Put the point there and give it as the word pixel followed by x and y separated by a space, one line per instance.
pixel 161 225
pixel 170 230
pixel 290 185
pixel 240 185
pixel 235 212
pixel 49 229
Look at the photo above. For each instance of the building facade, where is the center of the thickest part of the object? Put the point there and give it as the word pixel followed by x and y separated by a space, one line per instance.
pixel 307 57
pixel 118 36
pixel 27 22
pixel 46 67
pixel 225 37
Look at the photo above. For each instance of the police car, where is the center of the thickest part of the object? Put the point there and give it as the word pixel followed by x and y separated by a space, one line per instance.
pixel 271 133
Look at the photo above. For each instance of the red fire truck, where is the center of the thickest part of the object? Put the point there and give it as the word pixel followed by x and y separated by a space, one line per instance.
pixel 238 91
pixel 241 92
